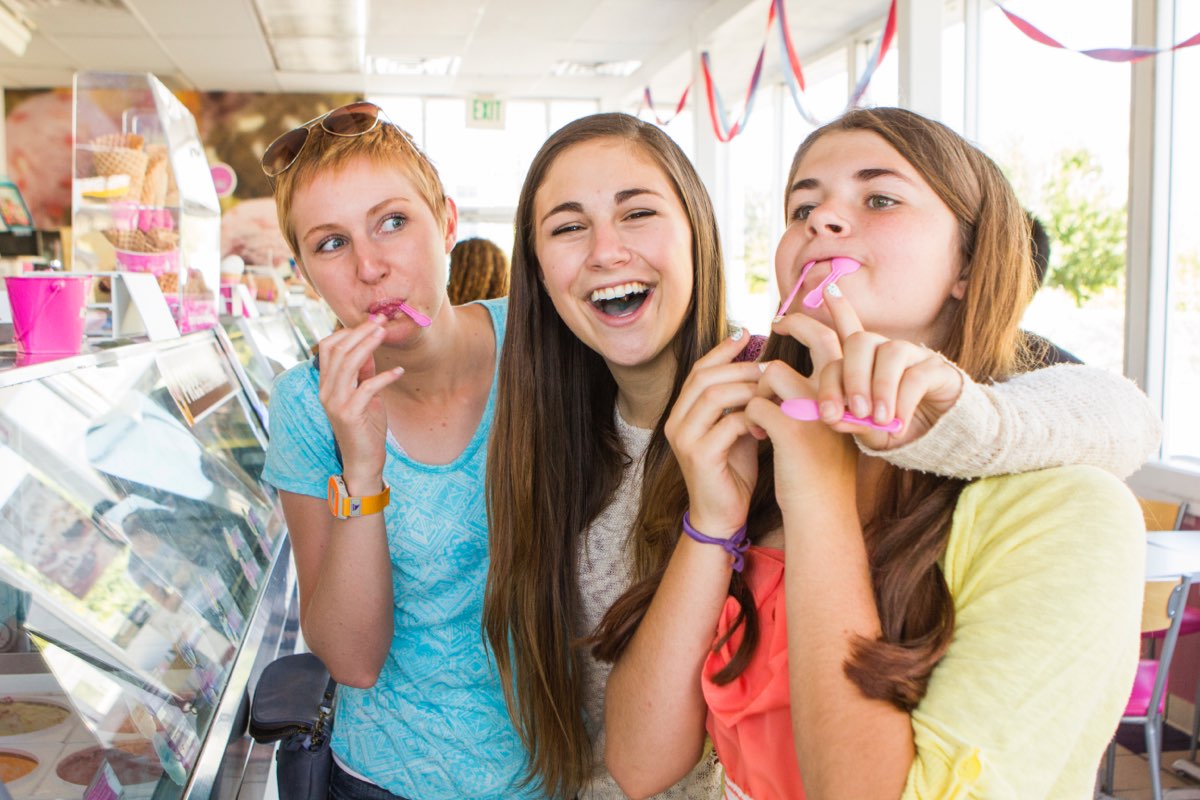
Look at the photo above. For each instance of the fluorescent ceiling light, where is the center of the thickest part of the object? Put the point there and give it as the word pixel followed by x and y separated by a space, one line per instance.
pixel 595 69
pixel 14 32
pixel 387 65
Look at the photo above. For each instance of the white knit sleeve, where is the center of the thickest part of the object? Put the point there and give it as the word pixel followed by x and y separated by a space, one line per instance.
pixel 1065 414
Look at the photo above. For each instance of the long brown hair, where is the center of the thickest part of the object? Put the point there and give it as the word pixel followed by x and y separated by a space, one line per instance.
pixel 555 459
pixel 907 534
pixel 478 271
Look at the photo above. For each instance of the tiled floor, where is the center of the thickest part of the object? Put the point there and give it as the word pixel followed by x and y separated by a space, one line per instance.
pixel 1131 780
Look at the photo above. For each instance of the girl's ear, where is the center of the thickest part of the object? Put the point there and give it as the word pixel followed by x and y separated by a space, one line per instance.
pixel 451 224
pixel 959 290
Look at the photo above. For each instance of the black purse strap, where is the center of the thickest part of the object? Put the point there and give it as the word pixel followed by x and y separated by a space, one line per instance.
pixel 324 712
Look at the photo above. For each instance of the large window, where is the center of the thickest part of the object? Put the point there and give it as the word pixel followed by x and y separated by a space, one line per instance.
pixel 482 169
pixel 1058 124
pixel 1181 443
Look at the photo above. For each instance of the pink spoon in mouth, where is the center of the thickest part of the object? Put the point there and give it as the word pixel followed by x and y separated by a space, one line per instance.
pixel 783 307
pixel 417 316
pixel 840 268
pixel 806 410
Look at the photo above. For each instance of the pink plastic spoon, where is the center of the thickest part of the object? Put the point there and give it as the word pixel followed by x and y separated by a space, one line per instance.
pixel 417 316
pixel 783 307
pixel 840 267
pixel 806 409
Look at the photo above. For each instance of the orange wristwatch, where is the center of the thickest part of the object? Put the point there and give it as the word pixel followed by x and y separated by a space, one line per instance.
pixel 343 506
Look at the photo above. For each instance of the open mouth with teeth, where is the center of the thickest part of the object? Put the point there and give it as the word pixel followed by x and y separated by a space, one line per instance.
pixel 621 300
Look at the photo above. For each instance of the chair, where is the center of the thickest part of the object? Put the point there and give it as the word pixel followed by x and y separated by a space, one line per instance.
pixel 1162 515
pixel 1162 609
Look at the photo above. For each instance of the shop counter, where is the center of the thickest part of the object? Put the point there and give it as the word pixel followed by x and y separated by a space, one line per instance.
pixel 145 576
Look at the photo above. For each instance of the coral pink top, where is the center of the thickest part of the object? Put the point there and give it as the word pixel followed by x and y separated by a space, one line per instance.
pixel 749 719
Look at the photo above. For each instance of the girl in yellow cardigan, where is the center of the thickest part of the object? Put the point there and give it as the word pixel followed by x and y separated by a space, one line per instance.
pixel 924 636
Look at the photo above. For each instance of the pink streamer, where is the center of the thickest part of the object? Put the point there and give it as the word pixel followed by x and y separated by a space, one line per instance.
pixel 1120 55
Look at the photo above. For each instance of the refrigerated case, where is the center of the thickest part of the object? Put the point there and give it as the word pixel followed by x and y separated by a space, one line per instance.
pixel 265 346
pixel 145 578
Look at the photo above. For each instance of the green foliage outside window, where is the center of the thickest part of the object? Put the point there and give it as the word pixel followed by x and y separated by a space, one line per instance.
pixel 1087 231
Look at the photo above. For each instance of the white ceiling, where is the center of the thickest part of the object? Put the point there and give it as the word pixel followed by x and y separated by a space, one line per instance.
pixel 505 47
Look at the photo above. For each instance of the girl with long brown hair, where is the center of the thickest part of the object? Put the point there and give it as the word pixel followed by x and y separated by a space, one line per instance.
pixel 617 293
pixel 923 636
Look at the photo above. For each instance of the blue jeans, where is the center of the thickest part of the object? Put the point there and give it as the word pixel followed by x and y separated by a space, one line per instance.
pixel 344 786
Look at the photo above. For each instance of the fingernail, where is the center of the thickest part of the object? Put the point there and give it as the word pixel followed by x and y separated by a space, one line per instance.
pixel 738 334
pixel 778 318
pixel 762 366
pixel 829 410
pixel 376 318
pixel 881 413
pixel 377 331
pixel 833 291
pixel 397 370
pixel 859 406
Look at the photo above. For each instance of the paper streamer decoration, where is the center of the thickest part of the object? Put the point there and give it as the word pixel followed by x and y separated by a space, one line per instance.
pixel 649 101
pixel 716 108
pixel 792 74
pixel 881 48
pixel 1122 55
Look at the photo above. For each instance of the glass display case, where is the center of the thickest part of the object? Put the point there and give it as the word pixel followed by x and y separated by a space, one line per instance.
pixel 265 346
pixel 143 198
pixel 144 572
pixel 312 318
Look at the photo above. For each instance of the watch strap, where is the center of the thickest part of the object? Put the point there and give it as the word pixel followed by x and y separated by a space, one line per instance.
pixel 345 506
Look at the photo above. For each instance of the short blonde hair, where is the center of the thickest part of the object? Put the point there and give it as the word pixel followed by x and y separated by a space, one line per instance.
pixel 385 145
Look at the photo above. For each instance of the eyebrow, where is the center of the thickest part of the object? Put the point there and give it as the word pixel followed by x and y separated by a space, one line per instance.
pixel 620 197
pixel 375 209
pixel 864 175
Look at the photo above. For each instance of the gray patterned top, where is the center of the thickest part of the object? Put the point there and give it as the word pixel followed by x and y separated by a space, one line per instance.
pixel 604 575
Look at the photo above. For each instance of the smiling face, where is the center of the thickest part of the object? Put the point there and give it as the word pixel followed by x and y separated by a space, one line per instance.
pixel 368 241
pixel 853 195
pixel 615 250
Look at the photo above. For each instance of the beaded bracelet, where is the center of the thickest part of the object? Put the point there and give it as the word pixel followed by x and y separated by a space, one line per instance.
pixel 735 545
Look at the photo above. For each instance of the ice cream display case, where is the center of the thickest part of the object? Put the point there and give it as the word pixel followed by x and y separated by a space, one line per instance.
pixel 265 346
pixel 145 579
pixel 142 197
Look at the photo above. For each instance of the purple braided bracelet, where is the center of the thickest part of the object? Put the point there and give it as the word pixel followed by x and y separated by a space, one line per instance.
pixel 735 545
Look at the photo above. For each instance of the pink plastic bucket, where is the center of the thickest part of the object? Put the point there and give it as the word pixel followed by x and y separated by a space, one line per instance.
pixel 47 312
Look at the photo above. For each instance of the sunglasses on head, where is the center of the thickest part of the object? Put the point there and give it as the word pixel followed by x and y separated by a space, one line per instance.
pixel 353 119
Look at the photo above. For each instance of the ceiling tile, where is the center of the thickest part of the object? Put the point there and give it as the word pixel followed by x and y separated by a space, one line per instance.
pixel 22 78
pixel 239 81
pixel 319 56
pixel 80 20
pixel 417 46
pixel 206 53
pixel 318 82
pixel 208 18
pixel 418 18
pixel 116 54
pixel 41 52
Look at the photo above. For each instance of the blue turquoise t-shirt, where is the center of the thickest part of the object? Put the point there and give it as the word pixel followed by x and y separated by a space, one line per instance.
pixel 434 726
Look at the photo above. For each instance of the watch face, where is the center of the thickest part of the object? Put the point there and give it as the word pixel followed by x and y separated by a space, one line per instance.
pixel 334 495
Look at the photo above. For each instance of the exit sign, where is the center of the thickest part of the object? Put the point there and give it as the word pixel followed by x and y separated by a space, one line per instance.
pixel 485 112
